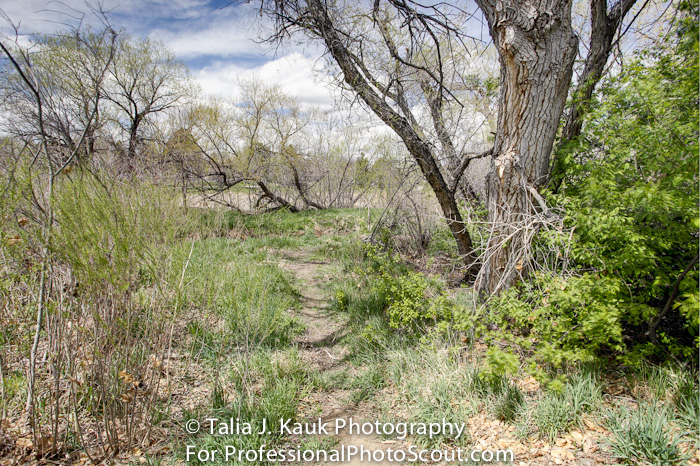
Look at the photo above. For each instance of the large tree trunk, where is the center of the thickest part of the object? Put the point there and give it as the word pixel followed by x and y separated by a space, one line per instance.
pixel 536 47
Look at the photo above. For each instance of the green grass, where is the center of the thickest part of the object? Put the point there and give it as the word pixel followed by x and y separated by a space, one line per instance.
pixel 219 272
pixel 268 387
pixel 282 222
pixel 687 401
pixel 367 382
pixel 507 401
pixel 643 436
pixel 557 412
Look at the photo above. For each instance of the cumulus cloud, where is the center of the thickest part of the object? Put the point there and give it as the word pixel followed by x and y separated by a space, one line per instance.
pixel 220 43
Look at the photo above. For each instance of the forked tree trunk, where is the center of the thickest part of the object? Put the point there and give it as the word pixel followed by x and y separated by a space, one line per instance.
pixel 536 47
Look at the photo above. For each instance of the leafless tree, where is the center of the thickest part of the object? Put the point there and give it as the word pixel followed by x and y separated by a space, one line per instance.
pixel 144 79
pixel 69 73
pixel 397 58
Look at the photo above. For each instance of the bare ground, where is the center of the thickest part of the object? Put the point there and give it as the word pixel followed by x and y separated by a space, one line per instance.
pixel 321 346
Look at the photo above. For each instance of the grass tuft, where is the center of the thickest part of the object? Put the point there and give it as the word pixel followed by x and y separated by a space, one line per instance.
pixel 644 437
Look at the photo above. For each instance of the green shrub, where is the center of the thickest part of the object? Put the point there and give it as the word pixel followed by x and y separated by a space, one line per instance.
pixel 630 191
pixel 498 365
pixel 557 321
pixel 341 300
pixel 411 299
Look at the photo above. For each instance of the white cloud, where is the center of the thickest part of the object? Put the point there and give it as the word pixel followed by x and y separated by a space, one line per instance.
pixel 297 75
pixel 230 39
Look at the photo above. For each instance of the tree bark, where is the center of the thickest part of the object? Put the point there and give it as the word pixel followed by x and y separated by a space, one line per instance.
pixel 537 48
pixel 134 138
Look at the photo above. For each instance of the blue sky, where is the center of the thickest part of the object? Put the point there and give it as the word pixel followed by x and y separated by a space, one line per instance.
pixel 219 40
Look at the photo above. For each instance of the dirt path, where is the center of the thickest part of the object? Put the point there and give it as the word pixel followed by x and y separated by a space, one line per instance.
pixel 321 346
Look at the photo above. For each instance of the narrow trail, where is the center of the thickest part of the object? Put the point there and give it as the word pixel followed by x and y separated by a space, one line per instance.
pixel 321 346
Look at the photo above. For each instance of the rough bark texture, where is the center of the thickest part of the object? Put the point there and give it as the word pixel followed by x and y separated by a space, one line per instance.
pixel 536 47
pixel 416 146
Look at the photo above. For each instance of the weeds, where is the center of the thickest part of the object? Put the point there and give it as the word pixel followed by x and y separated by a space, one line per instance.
pixel 507 401
pixel 367 383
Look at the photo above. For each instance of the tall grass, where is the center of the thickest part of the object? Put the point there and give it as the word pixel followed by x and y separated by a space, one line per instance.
pixel 108 307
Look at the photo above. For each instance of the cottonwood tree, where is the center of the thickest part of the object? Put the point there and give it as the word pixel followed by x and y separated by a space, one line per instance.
pixel 537 47
pixel 387 48
pixel 396 57
pixel 145 79
pixel 336 170
pixel 203 146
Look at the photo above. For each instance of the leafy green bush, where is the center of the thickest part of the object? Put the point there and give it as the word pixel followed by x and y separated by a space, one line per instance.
pixel 558 321
pixel 498 365
pixel 630 192
pixel 411 299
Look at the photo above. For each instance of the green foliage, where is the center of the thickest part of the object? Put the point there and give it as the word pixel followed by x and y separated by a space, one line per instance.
pixel 498 364
pixel 644 437
pixel 341 300
pixel 411 298
pixel 113 236
pixel 630 193
pixel 557 321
